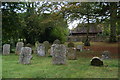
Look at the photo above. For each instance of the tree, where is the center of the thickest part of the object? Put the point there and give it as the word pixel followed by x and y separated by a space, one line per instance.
pixel 81 11
pixel 108 12
pixel 11 21
pixel 113 16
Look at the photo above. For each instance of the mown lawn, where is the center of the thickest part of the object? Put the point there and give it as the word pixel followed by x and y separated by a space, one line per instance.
pixel 0 66
pixel 42 67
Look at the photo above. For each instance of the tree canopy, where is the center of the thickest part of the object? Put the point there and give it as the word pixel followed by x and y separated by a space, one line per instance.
pixel 40 21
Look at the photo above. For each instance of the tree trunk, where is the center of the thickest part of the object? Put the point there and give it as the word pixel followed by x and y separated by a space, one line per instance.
pixel 113 15
pixel 87 41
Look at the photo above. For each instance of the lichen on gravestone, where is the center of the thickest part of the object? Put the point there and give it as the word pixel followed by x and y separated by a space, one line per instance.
pixel 59 56
pixel 47 46
pixel 25 55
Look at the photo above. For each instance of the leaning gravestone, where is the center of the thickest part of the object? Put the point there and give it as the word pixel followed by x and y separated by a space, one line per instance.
pixel 41 50
pixel 106 55
pixel 19 45
pixel 25 55
pixel 56 41
pixel 96 61
pixel 59 56
pixel 47 46
pixel 71 52
pixel 6 49
pixel 79 47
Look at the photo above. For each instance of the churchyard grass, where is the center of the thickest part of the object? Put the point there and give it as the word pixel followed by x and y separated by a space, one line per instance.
pixel 0 66
pixel 42 67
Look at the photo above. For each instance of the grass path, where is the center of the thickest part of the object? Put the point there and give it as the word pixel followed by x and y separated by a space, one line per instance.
pixel 41 67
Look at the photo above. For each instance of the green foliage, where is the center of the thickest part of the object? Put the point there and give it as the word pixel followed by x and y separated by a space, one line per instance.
pixel 59 33
pixel 32 25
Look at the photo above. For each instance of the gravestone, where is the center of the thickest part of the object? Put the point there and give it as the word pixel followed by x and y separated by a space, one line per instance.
pixel 6 49
pixel 52 49
pixel 71 44
pixel 19 45
pixel 49 51
pixel 56 41
pixel 41 50
pixel 47 46
pixel 29 45
pixel 25 55
pixel 106 55
pixel 59 56
pixel 71 51
pixel 96 61
pixel 79 47
pixel 37 44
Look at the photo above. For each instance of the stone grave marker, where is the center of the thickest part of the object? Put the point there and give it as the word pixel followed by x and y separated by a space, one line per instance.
pixel 52 49
pixel 59 56
pixel 6 49
pixel 96 61
pixel 106 55
pixel 37 44
pixel 71 52
pixel 25 55
pixel 56 41
pixel 47 46
pixel 41 50
pixel 19 45
pixel 71 44
pixel 79 47
pixel 29 45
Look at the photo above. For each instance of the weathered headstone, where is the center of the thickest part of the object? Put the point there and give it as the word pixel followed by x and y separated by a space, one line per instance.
pixel 71 44
pixel 19 45
pixel 41 50
pixel 6 49
pixel 96 61
pixel 79 47
pixel 106 55
pixel 29 45
pixel 25 55
pixel 56 41
pixel 59 56
pixel 37 44
pixel 52 49
pixel 47 46
pixel 49 51
pixel 71 51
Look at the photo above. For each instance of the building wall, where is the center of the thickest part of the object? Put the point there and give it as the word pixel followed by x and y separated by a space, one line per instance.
pixel 92 38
